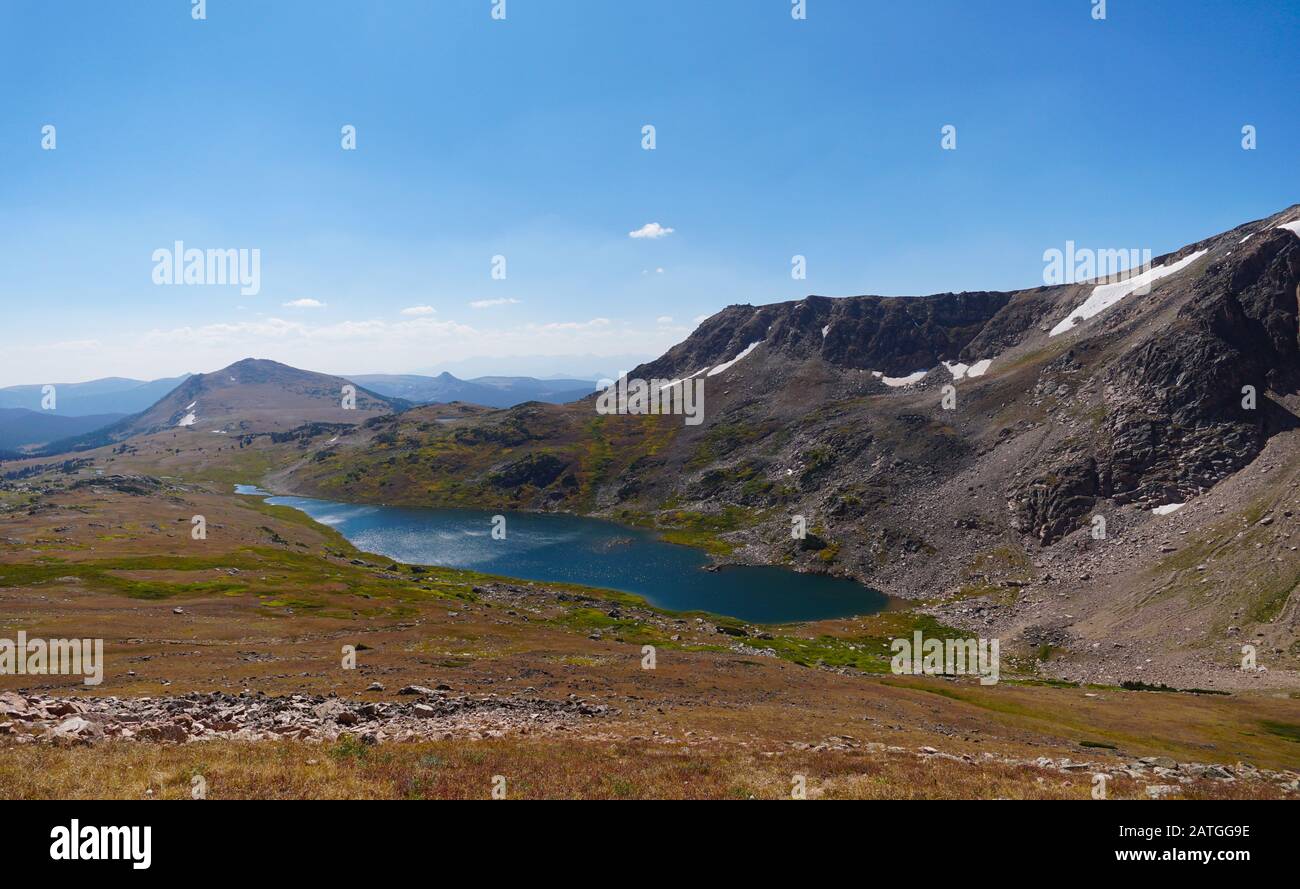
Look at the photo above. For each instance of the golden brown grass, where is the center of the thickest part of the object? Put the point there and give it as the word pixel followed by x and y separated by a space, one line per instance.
pixel 533 767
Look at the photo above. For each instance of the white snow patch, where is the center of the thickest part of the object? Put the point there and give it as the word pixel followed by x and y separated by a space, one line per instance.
pixel 190 406
pixel 672 383
pixel 904 381
pixel 965 371
pixel 1292 227
pixel 826 330
pixel 1247 238
pixel 188 419
pixel 726 364
pixel 1106 295
pixel 1168 508
pixel 218 432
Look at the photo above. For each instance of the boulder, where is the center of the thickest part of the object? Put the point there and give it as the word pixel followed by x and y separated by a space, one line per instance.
pixel 76 730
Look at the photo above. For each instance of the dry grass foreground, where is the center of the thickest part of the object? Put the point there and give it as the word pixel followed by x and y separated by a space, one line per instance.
pixel 533 768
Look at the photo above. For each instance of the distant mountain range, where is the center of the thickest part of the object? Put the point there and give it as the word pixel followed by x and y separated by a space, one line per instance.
pixel 542 367
pixel 254 395
pixel 487 391
pixel 111 395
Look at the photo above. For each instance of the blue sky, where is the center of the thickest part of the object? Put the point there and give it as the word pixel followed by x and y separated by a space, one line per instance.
pixel 522 137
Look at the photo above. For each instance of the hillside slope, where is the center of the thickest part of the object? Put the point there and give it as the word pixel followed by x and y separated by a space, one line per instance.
pixel 22 429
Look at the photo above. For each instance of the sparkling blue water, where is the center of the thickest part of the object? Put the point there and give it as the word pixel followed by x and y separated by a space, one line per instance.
pixel 591 552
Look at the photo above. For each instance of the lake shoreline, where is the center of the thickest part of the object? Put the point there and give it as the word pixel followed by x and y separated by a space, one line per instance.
pixel 897 599
pixel 590 552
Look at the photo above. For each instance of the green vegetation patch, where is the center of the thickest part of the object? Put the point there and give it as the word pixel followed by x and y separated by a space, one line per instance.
pixel 1288 730
pixel 869 652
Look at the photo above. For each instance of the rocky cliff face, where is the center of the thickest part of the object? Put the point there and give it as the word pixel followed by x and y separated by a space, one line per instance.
pixel 894 335
pixel 1163 375
pixel 1184 393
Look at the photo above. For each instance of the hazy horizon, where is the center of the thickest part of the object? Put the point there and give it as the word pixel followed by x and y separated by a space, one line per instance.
pixel 468 369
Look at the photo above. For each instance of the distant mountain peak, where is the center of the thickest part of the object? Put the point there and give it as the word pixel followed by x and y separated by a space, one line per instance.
pixel 487 391
pixel 253 395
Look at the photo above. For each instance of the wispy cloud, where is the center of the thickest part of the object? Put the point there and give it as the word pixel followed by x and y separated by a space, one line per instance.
pixel 305 304
pixel 652 230
pixel 419 310
pixel 593 325
pixel 492 303
pixel 378 345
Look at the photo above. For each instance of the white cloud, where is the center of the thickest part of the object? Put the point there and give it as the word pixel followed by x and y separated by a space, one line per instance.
pixel 419 310
pixel 304 304
pixel 492 303
pixel 652 230
pixel 664 319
